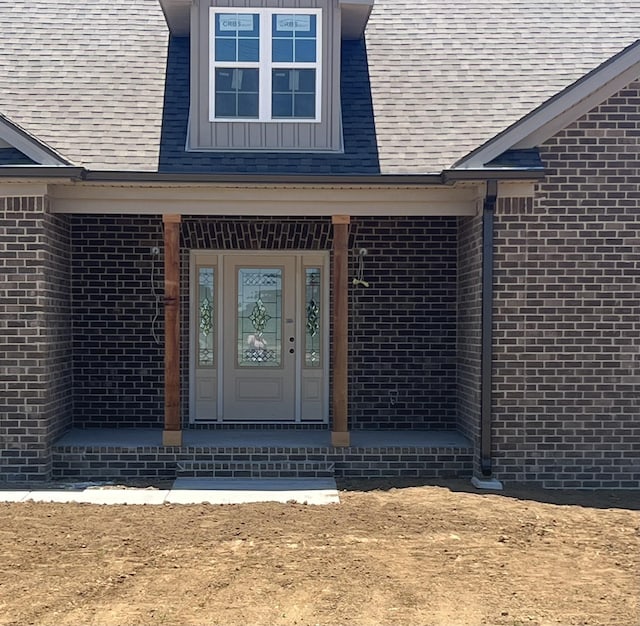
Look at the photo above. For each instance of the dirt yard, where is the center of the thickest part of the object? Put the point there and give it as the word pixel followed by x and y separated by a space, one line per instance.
pixel 430 555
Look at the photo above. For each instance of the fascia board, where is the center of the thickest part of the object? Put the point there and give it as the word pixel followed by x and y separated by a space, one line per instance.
pixel 560 110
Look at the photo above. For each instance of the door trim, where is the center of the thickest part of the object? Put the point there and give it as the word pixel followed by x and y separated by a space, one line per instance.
pixel 216 258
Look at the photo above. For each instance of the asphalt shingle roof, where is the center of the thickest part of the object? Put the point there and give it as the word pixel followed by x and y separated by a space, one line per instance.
pixel 88 78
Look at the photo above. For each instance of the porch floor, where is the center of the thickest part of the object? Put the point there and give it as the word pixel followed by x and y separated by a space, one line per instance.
pixel 260 453
pixel 262 438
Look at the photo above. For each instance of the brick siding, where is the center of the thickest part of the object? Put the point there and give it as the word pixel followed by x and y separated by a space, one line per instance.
pixel 403 328
pixel 469 337
pixel 35 336
pixel 157 462
pixel 118 366
pixel 567 310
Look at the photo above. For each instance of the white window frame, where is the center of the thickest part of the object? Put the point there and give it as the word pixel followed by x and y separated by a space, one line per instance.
pixel 264 65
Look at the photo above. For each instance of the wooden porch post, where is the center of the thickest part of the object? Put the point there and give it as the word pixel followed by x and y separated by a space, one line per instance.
pixel 172 435
pixel 340 428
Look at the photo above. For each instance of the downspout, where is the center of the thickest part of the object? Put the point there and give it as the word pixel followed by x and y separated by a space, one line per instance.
pixel 490 199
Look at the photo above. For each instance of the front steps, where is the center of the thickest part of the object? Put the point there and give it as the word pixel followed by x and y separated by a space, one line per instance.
pixel 112 454
pixel 256 469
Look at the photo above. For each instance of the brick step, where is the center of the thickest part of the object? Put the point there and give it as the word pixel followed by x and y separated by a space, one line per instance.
pixel 254 469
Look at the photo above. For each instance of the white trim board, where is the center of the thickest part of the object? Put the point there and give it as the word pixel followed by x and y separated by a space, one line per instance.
pixel 321 200
pixel 561 110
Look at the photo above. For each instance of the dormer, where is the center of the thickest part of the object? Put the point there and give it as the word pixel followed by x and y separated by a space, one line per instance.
pixel 265 77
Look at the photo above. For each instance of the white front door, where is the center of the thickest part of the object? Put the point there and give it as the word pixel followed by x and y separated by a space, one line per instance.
pixel 258 337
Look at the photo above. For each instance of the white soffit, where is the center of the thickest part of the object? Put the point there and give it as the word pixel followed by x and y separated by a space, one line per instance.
pixel 355 15
pixel 562 109
pixel 178 16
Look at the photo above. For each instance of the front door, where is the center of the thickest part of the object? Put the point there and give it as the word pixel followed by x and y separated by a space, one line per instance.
pixel 259 361
pixel 258 337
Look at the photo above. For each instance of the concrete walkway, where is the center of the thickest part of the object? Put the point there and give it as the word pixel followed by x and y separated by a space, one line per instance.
pixel 187 491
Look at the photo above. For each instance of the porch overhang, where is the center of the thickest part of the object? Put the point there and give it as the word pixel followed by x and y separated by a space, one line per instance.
pixel 450 193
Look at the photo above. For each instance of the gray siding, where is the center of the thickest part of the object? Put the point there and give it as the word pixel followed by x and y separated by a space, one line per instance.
pixel 325 135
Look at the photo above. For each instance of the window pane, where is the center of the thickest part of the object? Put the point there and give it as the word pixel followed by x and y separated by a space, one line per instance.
pixel 206 321
pixel 226 105
pixel 292 24
pixel 282 105
pixel 225 49
pixel 281 81
pixel 299 32
pixel 248 80
pixel 294 93
pixel 306 81
pixel 304 106
pixel 305 50
pixel 237 37
pixel 223 79
pixel 313 328
pixel 259 323
pixel 234 24
pixel 248 105
pixel 236 92
pixel 282 51
pixel 248 50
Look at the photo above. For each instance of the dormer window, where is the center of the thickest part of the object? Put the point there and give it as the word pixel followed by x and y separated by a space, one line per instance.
pixel 265 65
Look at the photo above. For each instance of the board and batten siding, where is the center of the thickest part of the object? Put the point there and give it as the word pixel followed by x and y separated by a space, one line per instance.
pixel 322 136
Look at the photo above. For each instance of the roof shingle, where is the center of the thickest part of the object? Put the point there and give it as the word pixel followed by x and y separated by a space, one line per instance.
pixel 89 79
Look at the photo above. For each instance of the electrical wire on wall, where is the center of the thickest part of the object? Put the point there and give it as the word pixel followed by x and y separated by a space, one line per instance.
pixel 155 256
pixel 359 279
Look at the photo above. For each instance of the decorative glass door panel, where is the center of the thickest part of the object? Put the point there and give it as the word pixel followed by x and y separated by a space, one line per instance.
pixel 260 317
pixel 259 336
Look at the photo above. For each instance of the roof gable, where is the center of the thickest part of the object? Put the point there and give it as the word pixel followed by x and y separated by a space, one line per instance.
pixel 560 110
pixel 35 151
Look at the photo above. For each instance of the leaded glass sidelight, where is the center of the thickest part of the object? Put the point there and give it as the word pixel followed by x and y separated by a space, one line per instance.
pixel 313 334
pixel 206 330
pixel 259 317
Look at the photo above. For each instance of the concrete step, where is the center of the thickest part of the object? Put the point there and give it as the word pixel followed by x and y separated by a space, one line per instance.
pixel 254 469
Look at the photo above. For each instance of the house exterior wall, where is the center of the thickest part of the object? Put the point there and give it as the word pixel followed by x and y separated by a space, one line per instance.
pixel 118 364
pixel 402 328
pixel 35 336
pixel 469 329
pixel 566 384
pixel 324 136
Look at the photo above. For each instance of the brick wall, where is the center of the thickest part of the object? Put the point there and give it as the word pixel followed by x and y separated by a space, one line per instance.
pixel 35 330
pixel 402 354
pixel 469 337
pixel 567 310
pixel 403 328
pixel 118 365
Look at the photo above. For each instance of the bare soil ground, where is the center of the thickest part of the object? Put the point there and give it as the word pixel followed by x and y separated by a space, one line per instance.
pixel 431 555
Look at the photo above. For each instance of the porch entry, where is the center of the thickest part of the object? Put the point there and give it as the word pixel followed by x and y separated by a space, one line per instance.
pixel 259 336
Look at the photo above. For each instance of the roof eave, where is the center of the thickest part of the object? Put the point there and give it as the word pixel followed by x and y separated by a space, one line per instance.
pixel 41 171
pixel 23 141
pixel 561 109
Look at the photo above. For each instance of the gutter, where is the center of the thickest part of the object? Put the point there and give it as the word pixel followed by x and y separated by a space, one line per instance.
pixel 41 171
pixel 490 200
pixel 446 177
